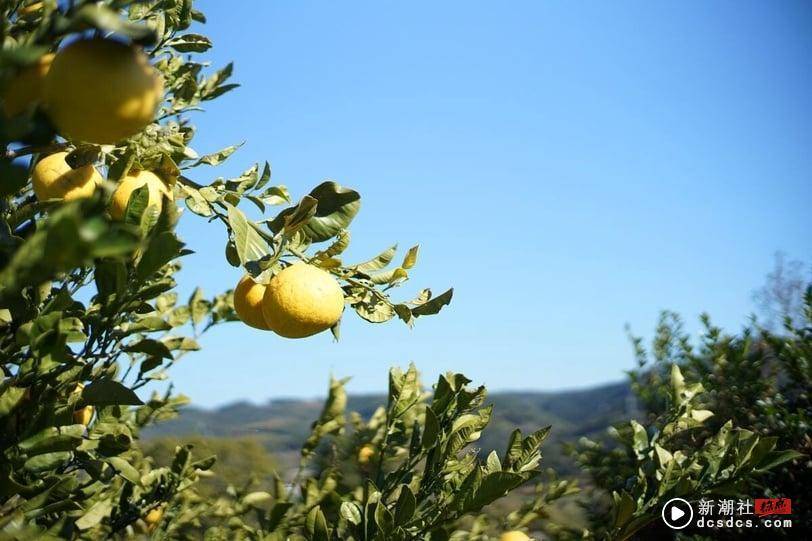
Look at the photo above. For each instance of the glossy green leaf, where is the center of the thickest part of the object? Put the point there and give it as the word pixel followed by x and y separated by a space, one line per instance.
pixel 336 207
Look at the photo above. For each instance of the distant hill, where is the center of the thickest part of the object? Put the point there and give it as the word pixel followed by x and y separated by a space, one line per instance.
pixel 283 424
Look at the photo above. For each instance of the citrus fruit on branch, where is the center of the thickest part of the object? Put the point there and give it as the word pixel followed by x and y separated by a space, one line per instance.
pixel 26 89
pixel 54 178
pixel 101 91
pixel 302 300
pixel 299 301
pixel 248 302
pixel 157 188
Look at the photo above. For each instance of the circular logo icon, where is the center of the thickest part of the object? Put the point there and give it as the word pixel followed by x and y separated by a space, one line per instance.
pixel 677 513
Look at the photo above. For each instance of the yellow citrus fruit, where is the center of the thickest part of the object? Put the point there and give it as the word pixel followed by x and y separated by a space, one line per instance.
pixel 248 297
pixel 26 89
pixel 514 535
pixel 82 416
pixel 302 300
pixel 101 91
pixel 153 517
pixel 157 190
pixel 53 178
pixel 366 453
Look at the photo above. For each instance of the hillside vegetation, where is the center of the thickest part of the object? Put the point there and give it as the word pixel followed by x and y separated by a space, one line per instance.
pixel 282 425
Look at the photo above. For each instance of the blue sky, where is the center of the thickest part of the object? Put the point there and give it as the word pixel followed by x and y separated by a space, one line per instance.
pixel 567 168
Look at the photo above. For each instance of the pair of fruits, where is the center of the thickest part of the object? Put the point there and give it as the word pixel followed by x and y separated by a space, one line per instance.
pixel 299 301
pixel 54 178
pixel 94 90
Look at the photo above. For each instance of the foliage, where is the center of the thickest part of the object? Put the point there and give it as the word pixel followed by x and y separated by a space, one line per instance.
pixel 241 462
pixel 419 481
pixel 281 425
pixel 687 445
pixel 88 311
pixel 673 457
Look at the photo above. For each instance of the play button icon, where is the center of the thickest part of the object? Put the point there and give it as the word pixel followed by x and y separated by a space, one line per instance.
pixel 677 513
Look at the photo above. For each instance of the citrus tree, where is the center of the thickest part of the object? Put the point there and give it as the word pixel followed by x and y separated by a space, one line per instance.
pixel 97 159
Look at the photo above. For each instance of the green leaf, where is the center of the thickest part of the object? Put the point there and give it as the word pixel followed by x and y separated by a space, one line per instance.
pixel 383 518
pixel 95 514
pixel 248 242
pixel 275 195
pixel 125 469
pixel 493 486
pixel 639 439
pixel 110 277
pixel 68 239
pixel 405 314
pixel 391 276
pixel 197 203
pixel 119 168
pixel 106 392
pixel 776 458
pixel 301 215
pixel 338 246
pixel 351 512
pixel 216 158
pixel 406 505
pixel 337 206
pixel 378 262
pixel 150 347
pixel 493 463
pixel 433 306
pixel 190 43
pixel 256 498
pixel 145 324
pixel 51 439
pixel 162 248
pixel 410 259
pixel 431 433
pixel 199 306
pixel 374 310
pixel 47 461
pixel 316 525
pixel 10 398
pixel 623 509
pixel 83 155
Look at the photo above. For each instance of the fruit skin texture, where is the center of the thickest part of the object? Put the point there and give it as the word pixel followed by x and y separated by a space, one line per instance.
pixel 101 91
pixel 514 535
pixel 248 297
pixel 157 189
pixel 53 178
pixel 302 300
pixel 27 88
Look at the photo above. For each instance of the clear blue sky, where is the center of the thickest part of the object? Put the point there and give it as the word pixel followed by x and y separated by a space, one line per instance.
pixel 567 168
